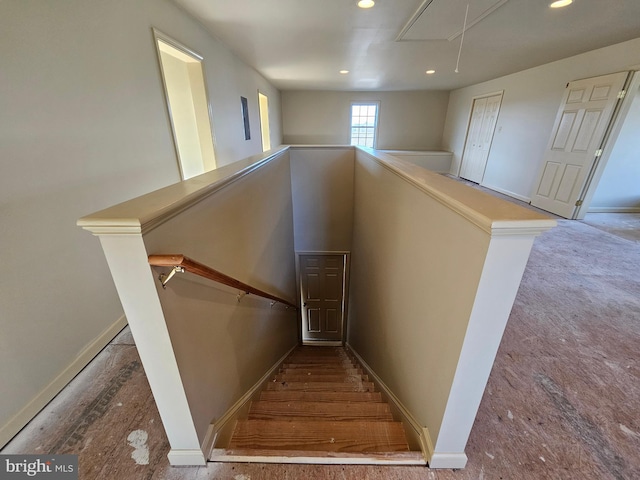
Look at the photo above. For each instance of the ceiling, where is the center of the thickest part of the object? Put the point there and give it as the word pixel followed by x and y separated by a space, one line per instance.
pixel 303 44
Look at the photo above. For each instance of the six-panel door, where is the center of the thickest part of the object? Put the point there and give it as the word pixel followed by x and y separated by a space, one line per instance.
pixel 322 285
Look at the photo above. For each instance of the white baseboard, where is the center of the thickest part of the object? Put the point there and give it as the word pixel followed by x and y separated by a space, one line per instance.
pixel 186 458
pixel 507 192
pixel 24 416
pixel 448 460
pixel 418 436
pixel 219 432
pixel 613 210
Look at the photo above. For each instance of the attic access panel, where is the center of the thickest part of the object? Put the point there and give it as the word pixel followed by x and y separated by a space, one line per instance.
pixel 443 19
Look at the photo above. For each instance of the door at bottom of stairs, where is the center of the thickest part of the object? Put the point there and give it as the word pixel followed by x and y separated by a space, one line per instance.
pixel 323 283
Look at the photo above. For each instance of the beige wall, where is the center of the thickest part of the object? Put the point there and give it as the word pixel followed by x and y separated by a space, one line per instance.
pixel 529 106
pixel 223 346
pixel 436 266
pixel 322 186
pixel 83 126
pixel 415 270
pixel 412 120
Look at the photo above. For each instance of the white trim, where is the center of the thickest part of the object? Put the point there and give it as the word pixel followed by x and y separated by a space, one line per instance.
pixel 161 36
pixel 144 213
pixel 186 458
pixel 614 210
pixel 127 258
pixel 504 265
pixel 508 193
pixel 312 146
pixel 418 436
pixel 491 214
pixel 220 431
pixel 448 460
pixel 48 393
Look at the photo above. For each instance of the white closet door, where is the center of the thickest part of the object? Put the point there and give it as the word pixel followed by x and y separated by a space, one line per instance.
pixel 484 117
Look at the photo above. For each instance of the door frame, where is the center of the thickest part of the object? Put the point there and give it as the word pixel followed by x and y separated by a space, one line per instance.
pixel 608 144
pixel 345 296
pixel 466 135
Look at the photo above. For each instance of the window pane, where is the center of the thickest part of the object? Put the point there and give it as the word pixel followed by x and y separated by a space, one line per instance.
pixel 363 124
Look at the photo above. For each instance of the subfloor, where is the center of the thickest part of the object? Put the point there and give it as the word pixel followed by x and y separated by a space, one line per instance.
pixel 562 401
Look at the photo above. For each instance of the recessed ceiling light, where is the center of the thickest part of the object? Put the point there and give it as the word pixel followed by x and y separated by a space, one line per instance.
pixel 344 72
pixel 430 72
pixel 366 3
pixel 560 3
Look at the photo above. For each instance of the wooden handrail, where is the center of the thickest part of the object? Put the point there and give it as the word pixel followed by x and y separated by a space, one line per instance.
pixel 191 266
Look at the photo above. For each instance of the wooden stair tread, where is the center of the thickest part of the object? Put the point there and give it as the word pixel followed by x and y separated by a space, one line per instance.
pixel 334 411
pixel 318 458
pixel 322 386
pixel 320 408
pixel 300 396
pixel 320 377
pixel 322 371
pixel 326 436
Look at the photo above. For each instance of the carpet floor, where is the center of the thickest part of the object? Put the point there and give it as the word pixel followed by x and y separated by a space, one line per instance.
pixel 562 401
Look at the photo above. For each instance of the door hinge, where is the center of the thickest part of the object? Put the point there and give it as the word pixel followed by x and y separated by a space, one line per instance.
pixel 621 94
pixel 579 203
pixel 599 152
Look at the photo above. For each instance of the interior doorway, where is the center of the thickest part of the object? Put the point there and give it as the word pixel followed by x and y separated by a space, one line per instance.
pixel 263 105
pixel 323 281
pixel 615 186
pixel 187 104
pixel 577 141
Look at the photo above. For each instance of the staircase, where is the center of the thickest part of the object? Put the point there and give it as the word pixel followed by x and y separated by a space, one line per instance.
pixel 320 408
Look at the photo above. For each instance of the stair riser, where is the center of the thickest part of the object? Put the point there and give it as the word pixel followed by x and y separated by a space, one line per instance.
pixel 321 387
pixel 321 371
pixel 320 436
pixel 310 377
pixel 333 411
pixel 299 396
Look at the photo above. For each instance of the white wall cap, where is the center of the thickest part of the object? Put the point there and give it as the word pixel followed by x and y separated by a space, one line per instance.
pixel 493 215
pixel 146 212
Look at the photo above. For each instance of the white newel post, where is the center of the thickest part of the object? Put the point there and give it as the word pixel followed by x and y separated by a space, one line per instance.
pixel 134 281
pixel 504 266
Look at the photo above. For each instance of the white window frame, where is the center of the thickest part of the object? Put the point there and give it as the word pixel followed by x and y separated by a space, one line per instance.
pixel 375 127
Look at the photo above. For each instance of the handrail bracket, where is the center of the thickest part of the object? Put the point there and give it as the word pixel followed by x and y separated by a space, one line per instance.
pixel 241 295
pixel 164 279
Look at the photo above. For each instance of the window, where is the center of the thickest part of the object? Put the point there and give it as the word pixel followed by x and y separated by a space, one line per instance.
pixel 186 93
pixel 364 123
pixel 263 102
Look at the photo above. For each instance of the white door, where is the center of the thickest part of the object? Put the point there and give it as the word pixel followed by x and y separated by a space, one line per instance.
pixel 322 286
pixel 484 115
pixel 576 141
